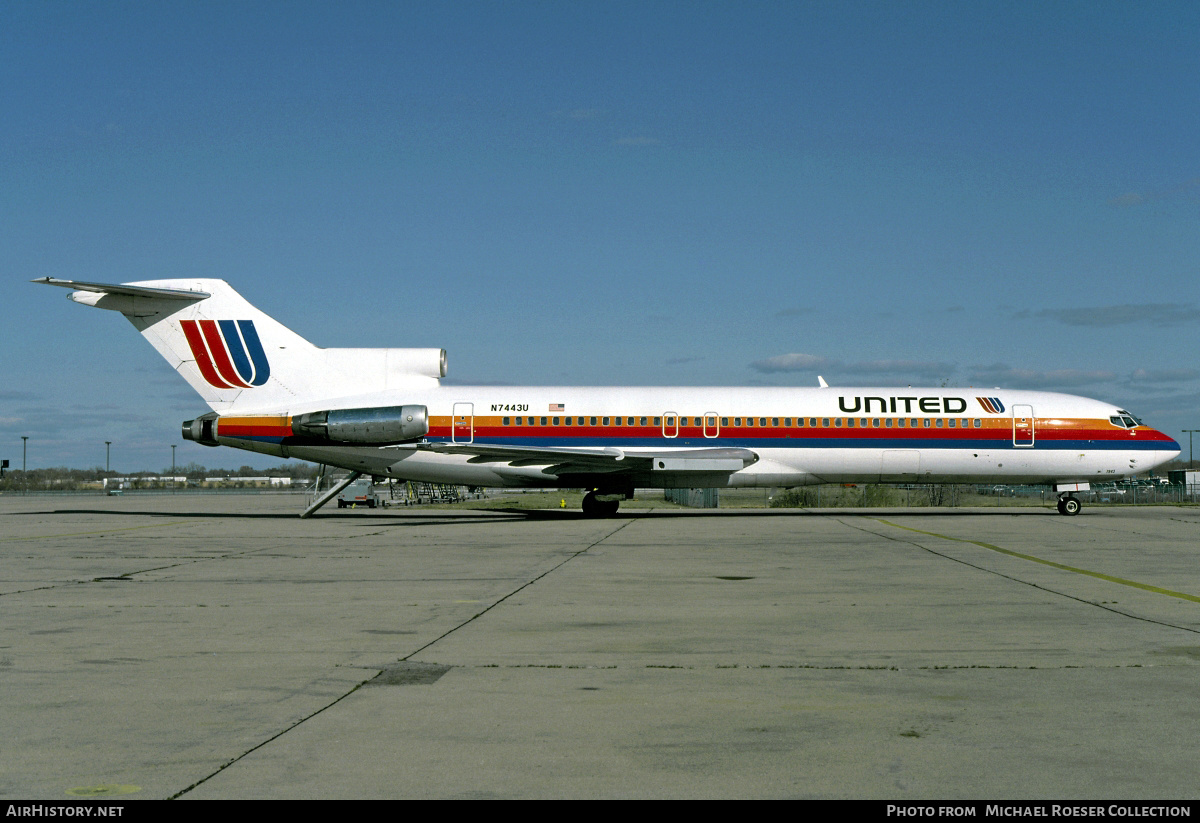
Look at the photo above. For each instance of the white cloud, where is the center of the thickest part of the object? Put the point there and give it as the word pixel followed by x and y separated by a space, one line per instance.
pixel 1155 314
pixel 1163 375
pixel 999 374
pixel 792 362
pixel 900 367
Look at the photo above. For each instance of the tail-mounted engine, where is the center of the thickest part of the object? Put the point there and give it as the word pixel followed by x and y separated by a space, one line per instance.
pixel 384 424
pixel 371 426
pixel 202 430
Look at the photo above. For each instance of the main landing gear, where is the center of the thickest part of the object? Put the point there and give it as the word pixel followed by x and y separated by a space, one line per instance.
pixel 594 506
pixel 1069 505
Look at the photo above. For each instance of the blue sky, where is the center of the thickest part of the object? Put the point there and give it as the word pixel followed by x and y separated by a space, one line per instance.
pixel 605 193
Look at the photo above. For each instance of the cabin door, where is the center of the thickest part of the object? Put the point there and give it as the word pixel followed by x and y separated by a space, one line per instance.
pixel 463 427
pixel 1024 432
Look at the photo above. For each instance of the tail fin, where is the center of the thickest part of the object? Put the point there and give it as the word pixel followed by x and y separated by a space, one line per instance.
pixel 237 357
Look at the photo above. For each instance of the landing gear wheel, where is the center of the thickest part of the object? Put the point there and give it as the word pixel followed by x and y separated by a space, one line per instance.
pixel 599 508
pixel 1069 506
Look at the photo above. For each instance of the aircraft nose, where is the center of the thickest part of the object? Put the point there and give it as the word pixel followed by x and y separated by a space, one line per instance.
pixel 1169 451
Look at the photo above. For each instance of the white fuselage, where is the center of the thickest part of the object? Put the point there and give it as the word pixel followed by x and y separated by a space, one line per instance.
pixel 801 435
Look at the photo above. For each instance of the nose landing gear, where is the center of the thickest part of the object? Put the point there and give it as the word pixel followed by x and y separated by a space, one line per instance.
pixel 1069 505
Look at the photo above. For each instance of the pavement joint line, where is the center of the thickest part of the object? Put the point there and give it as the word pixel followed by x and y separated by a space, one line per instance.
pixel 1029 583
pixel 1060 566
pixel 358 686
pixel 187 561
pixel 518 589
pixel 101 531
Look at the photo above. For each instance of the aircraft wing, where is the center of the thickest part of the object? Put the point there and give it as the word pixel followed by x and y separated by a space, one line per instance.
pixel 599 460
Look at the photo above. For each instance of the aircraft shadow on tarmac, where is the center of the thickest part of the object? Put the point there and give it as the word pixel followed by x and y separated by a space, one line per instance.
pixel 506 514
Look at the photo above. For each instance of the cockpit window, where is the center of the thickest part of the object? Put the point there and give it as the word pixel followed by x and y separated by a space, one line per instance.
pixel 1125 420
pixel 1129 419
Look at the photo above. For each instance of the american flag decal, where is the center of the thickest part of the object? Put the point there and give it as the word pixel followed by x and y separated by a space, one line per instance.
pixel 557 407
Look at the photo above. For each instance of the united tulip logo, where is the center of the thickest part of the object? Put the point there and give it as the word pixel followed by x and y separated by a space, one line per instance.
pixel 228 352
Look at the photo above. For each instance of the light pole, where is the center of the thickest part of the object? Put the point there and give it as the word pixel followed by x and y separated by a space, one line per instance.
pixel 172 467
pixel 1189 434
pixel 24 441
pixel 107 443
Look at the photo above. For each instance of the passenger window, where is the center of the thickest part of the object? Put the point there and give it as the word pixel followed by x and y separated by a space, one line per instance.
pixel 787 422
pixel 774 421
pixel 978 423
pixel 825 422
pixel 593 421
pixel 643 421
pixel 887 424
pixel 737 421
pixel 670 421
pixel 927 422
pixel 543 421
pixel 724 421
pixel 557 421
pixel 952 422
pixel 520 421
pixel 900 423
pixel 712 421
pixel 762 421
pixel 658 421
pixel 849 422
pixel 606 421
pixel 800 422
pixel 837 422
pixel 506 421
pixel 939 422
pixel 812 421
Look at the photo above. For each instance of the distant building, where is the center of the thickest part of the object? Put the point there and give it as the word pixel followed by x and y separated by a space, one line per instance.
pixel 264 482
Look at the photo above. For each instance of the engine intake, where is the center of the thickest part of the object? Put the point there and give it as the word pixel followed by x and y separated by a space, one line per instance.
pixel 383 424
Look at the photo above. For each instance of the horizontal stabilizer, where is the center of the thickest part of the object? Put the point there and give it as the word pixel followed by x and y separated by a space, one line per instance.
pixel 127 291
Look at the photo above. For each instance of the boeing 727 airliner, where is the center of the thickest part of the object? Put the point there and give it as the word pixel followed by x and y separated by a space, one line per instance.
pixel 384 412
